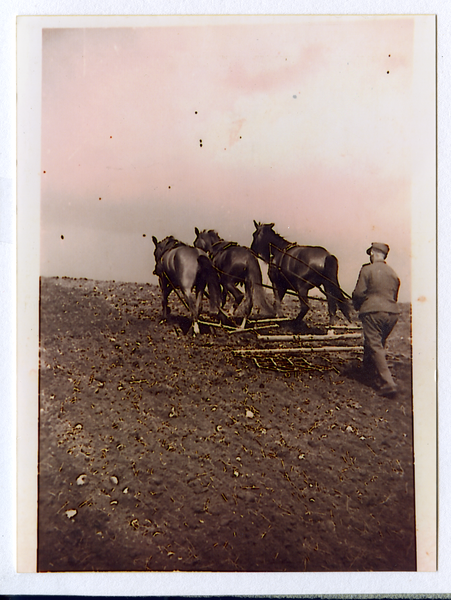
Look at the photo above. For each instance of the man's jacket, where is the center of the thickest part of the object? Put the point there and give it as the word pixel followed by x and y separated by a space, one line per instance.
pixel 376 289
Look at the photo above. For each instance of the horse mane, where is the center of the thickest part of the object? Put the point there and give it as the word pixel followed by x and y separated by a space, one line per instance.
pixel 170 242
pixel 213 232
pixel 280 237
pixel 171 238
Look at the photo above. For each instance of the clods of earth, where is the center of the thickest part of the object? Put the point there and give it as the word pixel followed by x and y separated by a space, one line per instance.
pixel 164 451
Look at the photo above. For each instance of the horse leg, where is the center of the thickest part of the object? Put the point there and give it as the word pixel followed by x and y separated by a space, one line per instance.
pixel 224 293
pixel 304 306
pixel 259 298
pixel 245 308
pixel 236 293
pixel 279 293
pixel 335 296
pixel 194 304
pixel 165 291
pixel 332 307
pixel 230 288
pixel 279 288
pixel 198 304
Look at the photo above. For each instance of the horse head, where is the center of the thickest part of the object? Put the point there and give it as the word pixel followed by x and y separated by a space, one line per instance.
pixel 262 239
pixel 205 240
pixel 162 247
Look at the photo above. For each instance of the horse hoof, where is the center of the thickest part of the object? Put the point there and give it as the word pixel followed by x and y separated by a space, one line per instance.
pixel 196 329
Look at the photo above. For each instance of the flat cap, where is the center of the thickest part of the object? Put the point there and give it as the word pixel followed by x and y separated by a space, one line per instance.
pixel 378 246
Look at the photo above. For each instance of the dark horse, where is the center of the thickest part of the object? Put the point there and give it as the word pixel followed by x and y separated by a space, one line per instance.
pixel 182 267
pixel 235 264
pixel 299 268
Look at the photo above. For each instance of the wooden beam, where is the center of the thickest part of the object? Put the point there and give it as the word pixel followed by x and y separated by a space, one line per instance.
pixel 211 324
pixel 273 320
pixel 298 350
pixel 311 337
pixel 349 327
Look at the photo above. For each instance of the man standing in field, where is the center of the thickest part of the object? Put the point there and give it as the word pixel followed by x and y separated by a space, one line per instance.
pixel 375 297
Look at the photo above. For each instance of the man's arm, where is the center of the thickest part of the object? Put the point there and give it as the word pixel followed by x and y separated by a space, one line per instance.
pixel 360 290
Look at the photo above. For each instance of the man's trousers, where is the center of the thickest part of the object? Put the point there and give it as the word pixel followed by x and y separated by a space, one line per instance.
pixel 377 326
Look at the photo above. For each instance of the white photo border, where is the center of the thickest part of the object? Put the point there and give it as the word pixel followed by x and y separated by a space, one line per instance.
pixel 237 583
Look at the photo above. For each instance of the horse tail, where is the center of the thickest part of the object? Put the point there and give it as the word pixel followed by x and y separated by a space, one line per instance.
pixel 210 277
pixel 254 282
pixel 334 292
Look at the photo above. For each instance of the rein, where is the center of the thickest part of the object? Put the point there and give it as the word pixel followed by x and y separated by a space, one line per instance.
pixel 182 300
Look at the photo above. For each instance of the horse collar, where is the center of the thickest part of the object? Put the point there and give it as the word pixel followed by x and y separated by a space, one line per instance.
pixel 177 244
pixel 293 245
pixel 282 250
pixel 227 244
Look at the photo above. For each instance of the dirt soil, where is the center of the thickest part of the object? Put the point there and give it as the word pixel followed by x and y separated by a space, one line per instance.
pixel 162 451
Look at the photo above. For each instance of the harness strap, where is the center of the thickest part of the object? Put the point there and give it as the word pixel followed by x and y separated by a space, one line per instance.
pixel 178 244
pixel 284 251
pixel 228 244
pixel 294 245
pixel 212 253
pixel 182 300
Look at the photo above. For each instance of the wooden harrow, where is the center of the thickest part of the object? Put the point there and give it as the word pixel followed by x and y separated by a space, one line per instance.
pixel 294 352
pixel 307 343
pixel 289 353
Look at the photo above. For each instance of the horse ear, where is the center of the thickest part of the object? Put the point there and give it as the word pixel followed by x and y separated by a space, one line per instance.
pixel 196 231
pixel 271 225
pixel 155 241
pixel 256 224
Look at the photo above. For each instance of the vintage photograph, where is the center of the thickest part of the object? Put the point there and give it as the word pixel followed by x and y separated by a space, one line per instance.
pixel 227 280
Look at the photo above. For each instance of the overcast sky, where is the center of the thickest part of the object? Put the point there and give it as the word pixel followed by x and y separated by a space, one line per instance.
pixel 157 130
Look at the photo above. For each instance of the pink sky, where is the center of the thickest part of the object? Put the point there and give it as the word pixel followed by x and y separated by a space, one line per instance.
pixel 308 125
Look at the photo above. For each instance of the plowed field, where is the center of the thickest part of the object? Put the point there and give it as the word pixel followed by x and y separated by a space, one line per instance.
pixel 162 451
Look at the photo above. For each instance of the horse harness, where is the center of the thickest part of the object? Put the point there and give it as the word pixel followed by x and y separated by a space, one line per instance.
pixel 227 245
pixel 285 251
